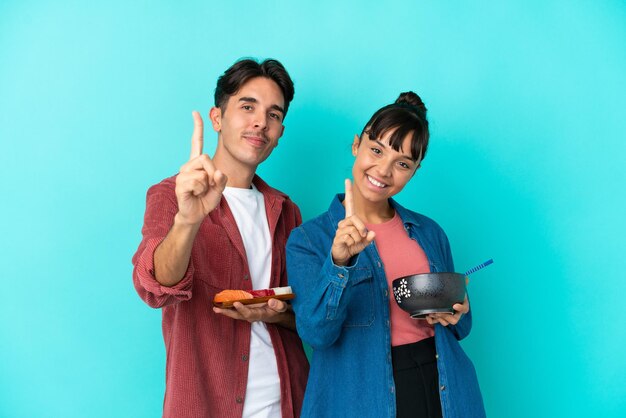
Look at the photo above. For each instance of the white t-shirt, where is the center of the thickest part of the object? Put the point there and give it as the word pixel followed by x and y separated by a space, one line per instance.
pixel 263 389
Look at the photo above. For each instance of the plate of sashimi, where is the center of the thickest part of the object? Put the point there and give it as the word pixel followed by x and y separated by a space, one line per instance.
pixel 226 298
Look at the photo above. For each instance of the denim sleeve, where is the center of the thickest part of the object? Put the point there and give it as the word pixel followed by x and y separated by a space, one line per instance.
pixel 464 326
pixel 320 287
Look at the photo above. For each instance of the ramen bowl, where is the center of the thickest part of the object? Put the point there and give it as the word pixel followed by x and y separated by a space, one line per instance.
pixel 423 294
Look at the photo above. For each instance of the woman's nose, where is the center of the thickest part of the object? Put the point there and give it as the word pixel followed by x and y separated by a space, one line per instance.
pixel 384 168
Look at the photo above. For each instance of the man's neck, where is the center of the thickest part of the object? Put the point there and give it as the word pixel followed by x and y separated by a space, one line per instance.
pixel 239 175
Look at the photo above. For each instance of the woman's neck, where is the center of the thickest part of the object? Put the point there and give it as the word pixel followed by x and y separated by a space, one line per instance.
pixel 372 212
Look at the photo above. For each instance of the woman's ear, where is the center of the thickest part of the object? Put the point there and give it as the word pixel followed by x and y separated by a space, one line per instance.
pixel 416 168
pixel 355 144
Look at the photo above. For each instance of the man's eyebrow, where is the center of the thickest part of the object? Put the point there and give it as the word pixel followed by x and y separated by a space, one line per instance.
pixel 276 107
pixel 408 157
pixel 253 100
pixel 248 99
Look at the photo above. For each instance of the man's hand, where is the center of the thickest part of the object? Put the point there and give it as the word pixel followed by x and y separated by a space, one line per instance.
pixel 199 185
pixel 446 319
pixel 273 312
pixel 199 188
pixel 352 236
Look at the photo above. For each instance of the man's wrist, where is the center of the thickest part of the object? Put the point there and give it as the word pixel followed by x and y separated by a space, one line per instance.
pixel 286 319
pixel 182 224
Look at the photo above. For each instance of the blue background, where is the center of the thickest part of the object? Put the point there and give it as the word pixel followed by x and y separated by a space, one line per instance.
pixel 526 102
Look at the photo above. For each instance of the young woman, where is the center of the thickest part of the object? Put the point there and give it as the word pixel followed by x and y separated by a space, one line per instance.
pixel 370 358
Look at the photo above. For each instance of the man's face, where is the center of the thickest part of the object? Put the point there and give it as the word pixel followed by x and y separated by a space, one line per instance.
pixel 251 123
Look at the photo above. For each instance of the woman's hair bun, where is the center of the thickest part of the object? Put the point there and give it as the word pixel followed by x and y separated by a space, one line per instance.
pixel 411 99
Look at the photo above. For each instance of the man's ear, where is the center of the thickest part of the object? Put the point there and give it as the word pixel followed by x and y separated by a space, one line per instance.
pixel 215 114
pixel 355 145
pixel 282 131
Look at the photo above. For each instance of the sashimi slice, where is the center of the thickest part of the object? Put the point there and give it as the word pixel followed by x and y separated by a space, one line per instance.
pixel 271 292
pixel 228 295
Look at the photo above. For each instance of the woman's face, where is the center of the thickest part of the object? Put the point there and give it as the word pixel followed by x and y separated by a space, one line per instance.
pixel 379 171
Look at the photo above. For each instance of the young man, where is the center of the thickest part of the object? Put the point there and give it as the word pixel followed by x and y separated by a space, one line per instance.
pixel 215 226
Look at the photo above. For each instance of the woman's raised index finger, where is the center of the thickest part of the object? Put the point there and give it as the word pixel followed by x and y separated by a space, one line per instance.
pixel 197 138
pixel 348 200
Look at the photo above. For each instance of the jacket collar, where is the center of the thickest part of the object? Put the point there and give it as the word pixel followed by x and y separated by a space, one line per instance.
pixel 337 212
pixel 274 198
pixel 273 206
pixel 267 189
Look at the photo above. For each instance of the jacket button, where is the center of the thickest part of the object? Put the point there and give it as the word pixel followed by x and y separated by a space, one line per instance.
pixel 437 355
pixel 245 277
pixel 340 276
pixel 386 292
pixel 239 399
pixel 378 263
pixel 244 357
pixel 443 387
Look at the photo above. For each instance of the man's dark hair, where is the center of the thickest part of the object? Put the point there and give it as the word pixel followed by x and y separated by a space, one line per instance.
pixel 243 70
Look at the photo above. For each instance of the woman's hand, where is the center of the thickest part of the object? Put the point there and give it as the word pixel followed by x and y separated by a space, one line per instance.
pixel 352 236
pixel 446 319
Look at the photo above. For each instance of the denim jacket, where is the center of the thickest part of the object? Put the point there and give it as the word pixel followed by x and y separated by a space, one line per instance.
pixel 343 314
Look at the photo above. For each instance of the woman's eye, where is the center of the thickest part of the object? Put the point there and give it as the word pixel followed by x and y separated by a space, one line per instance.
pixel 404 165
pixel 376 151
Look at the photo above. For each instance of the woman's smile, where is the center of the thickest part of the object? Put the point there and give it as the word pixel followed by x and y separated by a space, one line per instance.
pixel 375 182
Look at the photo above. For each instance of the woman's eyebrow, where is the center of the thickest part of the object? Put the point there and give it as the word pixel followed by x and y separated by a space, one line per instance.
pixel 408 157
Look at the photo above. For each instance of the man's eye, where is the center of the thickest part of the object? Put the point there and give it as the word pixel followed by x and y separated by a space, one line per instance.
pixel 275 116
pixel 376 151
pixel 246 107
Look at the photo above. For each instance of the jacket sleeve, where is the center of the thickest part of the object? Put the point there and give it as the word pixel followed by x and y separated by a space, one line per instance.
pixel 464 326
pixel 322 290
pixel 161 207
pixel 298 215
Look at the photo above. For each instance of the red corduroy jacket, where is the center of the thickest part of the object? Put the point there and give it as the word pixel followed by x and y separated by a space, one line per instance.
pixel 207 353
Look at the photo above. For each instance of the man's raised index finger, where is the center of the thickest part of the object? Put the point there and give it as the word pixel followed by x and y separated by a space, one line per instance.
pixel 348 200
pixel 197 138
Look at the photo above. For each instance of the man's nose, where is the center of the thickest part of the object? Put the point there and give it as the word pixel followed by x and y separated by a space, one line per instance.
pixel 260 120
